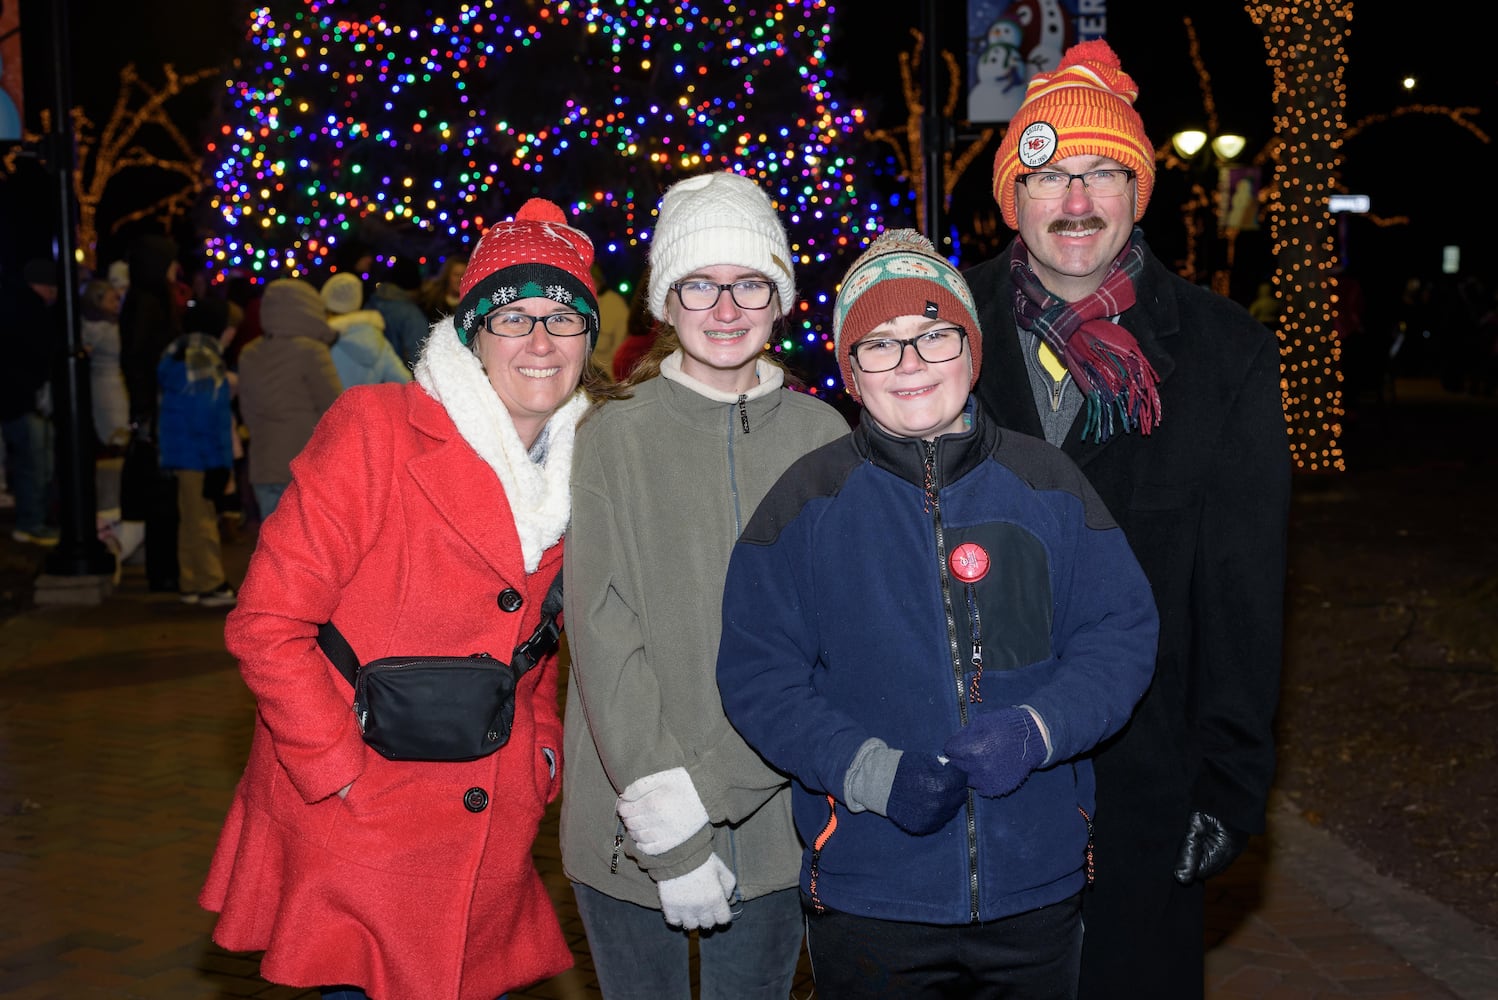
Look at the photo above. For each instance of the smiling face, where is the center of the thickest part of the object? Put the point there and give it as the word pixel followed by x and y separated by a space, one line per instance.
pixel 720 345
pixel 1075 238
pixel 535 374
pixel 916 398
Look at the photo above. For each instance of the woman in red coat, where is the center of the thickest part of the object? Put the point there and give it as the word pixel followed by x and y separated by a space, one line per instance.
pixel 424 518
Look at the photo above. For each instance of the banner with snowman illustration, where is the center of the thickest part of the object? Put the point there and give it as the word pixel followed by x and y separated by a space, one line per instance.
pixel 10 71
pixel 1009 41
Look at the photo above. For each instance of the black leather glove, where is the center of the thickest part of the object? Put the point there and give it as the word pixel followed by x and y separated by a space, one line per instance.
pixel 1210 846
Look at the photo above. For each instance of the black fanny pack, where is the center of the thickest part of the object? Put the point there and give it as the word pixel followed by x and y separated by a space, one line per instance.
pixel 440 708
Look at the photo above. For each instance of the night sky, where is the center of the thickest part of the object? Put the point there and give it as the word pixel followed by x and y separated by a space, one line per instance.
pixel 1401 166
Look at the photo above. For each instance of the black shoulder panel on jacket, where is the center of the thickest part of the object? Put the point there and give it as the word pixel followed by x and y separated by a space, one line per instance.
pixel 1045 467
pixel 819 473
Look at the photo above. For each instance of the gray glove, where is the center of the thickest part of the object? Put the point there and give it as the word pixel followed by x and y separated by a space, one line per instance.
pixel 698 899
pixel 1210 846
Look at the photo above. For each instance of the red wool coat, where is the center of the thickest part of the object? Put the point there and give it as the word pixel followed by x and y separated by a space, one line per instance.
pixel 420 883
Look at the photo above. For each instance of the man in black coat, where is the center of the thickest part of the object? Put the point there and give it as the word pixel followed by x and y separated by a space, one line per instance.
pixel 1168 398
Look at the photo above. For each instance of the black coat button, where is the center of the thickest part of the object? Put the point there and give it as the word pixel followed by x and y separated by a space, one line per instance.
pixel 475 800
pixel 510 600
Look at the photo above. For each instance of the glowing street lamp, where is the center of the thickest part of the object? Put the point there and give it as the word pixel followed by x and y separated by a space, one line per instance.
pixel 1189 142
pixel 1204 156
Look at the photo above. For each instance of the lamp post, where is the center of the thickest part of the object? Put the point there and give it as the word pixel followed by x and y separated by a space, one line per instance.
pixel 1206 157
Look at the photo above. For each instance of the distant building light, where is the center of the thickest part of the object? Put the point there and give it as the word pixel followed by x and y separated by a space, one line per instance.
pixel 1451 260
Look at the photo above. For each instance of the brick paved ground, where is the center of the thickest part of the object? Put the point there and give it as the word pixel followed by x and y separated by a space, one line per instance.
pixel 124 727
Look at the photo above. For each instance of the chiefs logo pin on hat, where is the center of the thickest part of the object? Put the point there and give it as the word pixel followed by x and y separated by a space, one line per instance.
pixel 1037 144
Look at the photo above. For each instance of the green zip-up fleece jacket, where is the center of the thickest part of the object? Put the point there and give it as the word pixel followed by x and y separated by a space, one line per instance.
pixel 662 484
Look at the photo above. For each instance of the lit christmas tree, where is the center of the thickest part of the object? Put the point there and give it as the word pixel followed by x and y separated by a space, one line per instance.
pixel 410 130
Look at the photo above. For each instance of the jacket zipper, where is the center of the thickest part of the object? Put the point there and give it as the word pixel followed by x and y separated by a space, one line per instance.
pixel 1057 388
pixel 933 504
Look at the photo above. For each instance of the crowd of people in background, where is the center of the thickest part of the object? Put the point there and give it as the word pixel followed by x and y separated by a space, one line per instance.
pixel 189 377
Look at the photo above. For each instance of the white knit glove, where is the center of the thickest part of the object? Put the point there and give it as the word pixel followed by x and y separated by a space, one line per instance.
pixel 698 899
pixel 662 810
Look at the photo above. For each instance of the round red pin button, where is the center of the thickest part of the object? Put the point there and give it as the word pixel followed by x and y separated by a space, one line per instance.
pixel 969 562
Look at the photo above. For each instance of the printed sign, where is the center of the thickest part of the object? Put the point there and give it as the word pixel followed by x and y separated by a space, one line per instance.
pixel 1009 41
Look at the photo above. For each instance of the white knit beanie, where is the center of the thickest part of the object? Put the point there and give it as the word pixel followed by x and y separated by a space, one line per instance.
pixel 719 218
pixel 343 292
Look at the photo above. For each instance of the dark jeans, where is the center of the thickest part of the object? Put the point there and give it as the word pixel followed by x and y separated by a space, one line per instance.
pixel 638 956
pixel 1029 956
pixel 354 993
pixel 28 470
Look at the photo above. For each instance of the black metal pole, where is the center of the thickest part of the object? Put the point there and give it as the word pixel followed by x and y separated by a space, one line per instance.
pixel 933 142
pixel 79 551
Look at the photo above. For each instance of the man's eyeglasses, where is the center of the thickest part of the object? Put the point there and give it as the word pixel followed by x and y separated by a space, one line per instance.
pixel 519 324
pixel 751 293
pixel 882 354
pixel 1049 184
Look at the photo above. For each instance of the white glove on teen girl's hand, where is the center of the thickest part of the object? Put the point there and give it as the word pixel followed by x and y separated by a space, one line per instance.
pixel 662 810
pixel 698 899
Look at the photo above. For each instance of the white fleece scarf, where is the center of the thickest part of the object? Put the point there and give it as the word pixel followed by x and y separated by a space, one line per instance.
pixel 536 484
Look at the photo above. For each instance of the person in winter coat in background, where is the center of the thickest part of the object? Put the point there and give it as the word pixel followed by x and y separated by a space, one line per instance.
pixel 287 381
pixel 100 333
pixel 361 353
pixel 670 823
pixel 928 624
pixel 440 294
pixel 196 431
pixel 150 319
pixel 1168 398
pixel 394 298
pixel 110 402
pixel 30 323
pixel 422 518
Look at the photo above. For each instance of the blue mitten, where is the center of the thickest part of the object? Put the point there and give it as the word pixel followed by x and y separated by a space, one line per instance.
pixel 925 793
pixel 998 750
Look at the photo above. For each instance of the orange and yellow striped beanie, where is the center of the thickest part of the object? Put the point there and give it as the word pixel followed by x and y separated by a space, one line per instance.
pixel 1085 107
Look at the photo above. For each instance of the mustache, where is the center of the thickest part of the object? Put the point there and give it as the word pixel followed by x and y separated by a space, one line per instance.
pixel 1076 225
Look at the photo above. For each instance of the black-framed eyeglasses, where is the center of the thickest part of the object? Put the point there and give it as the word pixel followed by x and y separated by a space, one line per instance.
pixel 750 293
pixel 518 324
pixel 881 354
pixel 1104 183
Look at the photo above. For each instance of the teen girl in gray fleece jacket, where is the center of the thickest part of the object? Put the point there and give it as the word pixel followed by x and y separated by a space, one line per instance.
pixel 670 822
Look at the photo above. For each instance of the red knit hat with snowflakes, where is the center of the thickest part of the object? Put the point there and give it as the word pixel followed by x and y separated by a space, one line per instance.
pixel 534 255
pixel 1085 107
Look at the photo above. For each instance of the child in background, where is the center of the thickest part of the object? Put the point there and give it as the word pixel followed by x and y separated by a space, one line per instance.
pixel 196 432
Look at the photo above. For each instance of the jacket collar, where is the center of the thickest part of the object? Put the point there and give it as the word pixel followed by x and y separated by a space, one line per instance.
pixel 704 406
pixel 955 454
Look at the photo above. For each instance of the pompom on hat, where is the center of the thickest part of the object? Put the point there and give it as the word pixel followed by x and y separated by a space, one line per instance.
pixel 718 218
pixel 1085 107
pixel 343 293
pixel 900 274
pixel 534 255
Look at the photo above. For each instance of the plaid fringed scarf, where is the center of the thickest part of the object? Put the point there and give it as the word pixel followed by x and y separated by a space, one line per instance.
pixel 1105 360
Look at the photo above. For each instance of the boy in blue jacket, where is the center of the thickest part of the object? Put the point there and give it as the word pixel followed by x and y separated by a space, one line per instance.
pixel 928 624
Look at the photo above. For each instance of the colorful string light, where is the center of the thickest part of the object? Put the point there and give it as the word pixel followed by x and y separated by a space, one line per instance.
pixel 344 125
